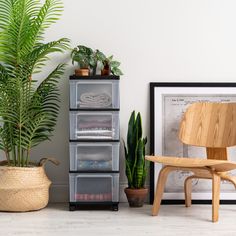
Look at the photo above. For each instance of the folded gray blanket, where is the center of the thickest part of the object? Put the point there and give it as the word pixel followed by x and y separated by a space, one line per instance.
pixel 95 100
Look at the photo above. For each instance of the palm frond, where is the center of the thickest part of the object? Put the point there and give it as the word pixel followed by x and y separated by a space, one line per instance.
pixel 22 25
pixel 5 16
pixel 28 113
pixel 37 58
pixel 48 14
pixel 46 96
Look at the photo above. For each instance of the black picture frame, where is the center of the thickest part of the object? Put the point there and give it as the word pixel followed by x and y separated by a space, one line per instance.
pixel 154 85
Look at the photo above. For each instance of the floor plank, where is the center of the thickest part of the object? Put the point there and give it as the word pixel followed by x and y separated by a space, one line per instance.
pixel 172 220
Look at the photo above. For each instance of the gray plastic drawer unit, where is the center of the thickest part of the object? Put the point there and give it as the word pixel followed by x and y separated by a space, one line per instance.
pixel 94 156
pixel 94 125
pixel 94 94
pixel 94 143
pixel 94 187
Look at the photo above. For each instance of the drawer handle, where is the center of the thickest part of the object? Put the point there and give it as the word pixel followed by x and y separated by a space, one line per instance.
pixel 93 176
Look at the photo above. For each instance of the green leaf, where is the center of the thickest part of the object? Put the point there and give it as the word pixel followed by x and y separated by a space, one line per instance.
pixel 114 64
pixel 135 152
pixel 100 56
pixel 138 170
pixel 116 71
pixel 138 126
pixel 28 108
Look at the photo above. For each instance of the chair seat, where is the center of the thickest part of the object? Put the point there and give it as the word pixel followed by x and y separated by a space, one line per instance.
pixel 217 165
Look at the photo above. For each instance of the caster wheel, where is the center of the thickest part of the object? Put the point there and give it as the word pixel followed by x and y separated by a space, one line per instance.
pixel 72 207
pixel 115 208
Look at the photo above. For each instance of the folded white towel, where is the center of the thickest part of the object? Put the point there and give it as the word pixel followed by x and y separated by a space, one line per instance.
pixel 95 100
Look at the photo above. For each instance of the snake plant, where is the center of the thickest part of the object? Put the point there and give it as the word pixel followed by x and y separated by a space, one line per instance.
pixel 135 152
pixel 28 107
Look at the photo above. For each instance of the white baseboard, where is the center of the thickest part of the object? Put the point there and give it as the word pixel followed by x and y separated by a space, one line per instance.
pixel 59 192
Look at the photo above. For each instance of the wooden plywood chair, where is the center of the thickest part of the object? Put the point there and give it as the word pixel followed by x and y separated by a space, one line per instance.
pixel 209 125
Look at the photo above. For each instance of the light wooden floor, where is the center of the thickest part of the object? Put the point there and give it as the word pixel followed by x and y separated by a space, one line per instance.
pixel 173 220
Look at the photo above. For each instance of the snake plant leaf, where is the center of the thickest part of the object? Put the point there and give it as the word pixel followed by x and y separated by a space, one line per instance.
pixel 130 134
pixel 144 143
pixel 138 126
pixel 131 139
pixel 144 174
pixel 128 174
pixel 128 169
pixel 138 171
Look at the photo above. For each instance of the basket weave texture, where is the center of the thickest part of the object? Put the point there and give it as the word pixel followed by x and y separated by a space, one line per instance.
pixel 23 189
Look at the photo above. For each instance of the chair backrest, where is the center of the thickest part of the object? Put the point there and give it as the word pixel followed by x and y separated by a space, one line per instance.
pixel 211 125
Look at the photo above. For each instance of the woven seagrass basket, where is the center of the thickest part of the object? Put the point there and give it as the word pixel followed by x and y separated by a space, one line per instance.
pixel 24 188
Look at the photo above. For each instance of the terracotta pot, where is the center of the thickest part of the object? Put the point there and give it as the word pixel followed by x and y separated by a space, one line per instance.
pixel 106 70
pixel 136 197
pixel 24 188
pixel 82 72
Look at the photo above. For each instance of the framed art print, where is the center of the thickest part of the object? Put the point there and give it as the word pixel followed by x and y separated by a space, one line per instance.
pixel 168 102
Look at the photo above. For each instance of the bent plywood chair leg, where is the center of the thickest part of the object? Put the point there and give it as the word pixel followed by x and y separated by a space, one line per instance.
pixel 188 190
pixel 160 188
pixel 225 176
pixel 215 197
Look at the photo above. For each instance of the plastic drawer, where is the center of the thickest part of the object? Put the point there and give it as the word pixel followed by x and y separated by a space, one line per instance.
pixel 94 94
pixel 94 156
pixel 94 187
pixel 94 125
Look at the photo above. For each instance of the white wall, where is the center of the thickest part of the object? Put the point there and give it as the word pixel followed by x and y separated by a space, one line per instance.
pixel 156 40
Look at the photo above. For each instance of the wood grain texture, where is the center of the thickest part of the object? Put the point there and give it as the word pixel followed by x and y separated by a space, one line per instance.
pixel 209 125
pixel 225 176
pixel 217 153
pixel 215 196
pixel 188 190
pixel 173 220
pixel 218 165
pixel 160 188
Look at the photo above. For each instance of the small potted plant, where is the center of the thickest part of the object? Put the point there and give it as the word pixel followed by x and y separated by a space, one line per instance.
pixel 135 162
pixel 111 66
pixel 84 56
pixel 97 57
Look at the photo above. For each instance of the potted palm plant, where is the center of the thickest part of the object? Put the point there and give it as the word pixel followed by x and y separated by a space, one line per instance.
pixel 28 108
pixel 135 162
